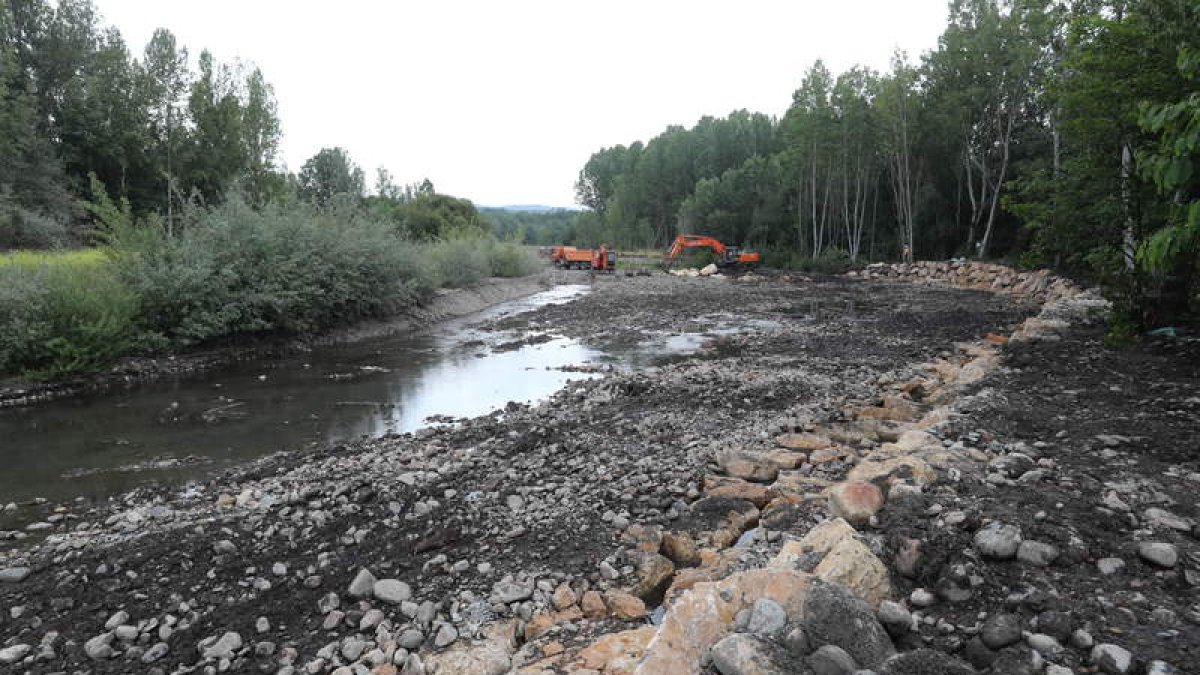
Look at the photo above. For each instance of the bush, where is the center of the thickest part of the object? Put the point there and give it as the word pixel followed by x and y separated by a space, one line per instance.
pixel 62 317
pixel 458 263
pixel 508 259
pixel 832 261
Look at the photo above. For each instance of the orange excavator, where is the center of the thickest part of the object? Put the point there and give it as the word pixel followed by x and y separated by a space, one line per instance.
pixel 727 256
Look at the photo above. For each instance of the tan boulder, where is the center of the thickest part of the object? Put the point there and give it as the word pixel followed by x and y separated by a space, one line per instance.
pixel 654 575
pixel 642 537
pixel 490 657
pixel 704 615
pixel 821 539
pixel 680 548
pixel 852 565
pixel 799 485
pixel 736 488
pixel 909 468
pixel 803 441
pixel 614 650
pixel 537 625
pixel 749 467
pixel 592 604
pixel 855 501
pixel 624 605
pixel 563 596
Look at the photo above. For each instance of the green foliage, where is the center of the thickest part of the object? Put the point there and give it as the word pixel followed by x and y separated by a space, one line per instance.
pixel 63 315
pixel 328 173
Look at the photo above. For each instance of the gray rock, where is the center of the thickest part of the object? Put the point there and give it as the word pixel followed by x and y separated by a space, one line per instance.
pixel 223 648
pixel 506 592
pixel 445 635
pixel 363 584
pixel 1112 659
pixel 1110 565
pixel 1161 668
pixel 831 660
pixel 833 616
pixel 922 597
pixel 1081 639
pixel 99 647
pixel 1037 553
pixel 767 618
pixel 797 642
pixel 924 662
pixel 370 620
pixel 224 546
pixel 116 620
pixel 262 624
pixel 1001 630
pixel 998 540
pixel 352 648
pixel 13 575
pixel 895 618
pixel 410 639
pixel 392 590
pixel 1045 645
pixel 745 654
pixel 1017 660
pixel 328 603
pixel 1159 553
pixel 1055 669
pixel 14 653
pixel 126 633
pixel 156 652
pixel 1163 518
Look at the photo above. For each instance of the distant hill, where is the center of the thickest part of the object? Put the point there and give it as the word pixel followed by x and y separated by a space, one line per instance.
pixel 531 208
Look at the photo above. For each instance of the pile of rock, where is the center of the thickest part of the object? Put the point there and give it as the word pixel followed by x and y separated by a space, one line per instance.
pixel 1039 285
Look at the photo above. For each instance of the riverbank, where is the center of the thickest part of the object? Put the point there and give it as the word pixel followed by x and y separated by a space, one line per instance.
pixel 132 371
pixel 542 537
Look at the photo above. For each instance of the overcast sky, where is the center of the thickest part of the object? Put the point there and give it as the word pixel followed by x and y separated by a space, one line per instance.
pixel 503 101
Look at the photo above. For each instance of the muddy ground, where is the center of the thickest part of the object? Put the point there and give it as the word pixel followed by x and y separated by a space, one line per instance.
pixel 487 517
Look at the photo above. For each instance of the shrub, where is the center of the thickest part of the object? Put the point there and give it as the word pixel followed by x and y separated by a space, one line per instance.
pixel 64 317
pixel 509 259
pixel 459 262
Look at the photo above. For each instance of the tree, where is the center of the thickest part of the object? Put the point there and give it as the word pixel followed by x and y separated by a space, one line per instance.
pixel 166 80
pixel 329 172
pixel 216 153
pixel 896 107
pixel 260 136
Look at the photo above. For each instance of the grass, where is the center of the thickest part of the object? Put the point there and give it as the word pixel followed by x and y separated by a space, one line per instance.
pixel 31 259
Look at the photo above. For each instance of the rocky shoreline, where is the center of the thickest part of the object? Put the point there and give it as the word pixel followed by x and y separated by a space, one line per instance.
pixel 847 483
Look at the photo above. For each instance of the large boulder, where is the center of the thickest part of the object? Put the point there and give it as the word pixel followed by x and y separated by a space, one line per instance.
pixel 924 662
pixel 833 616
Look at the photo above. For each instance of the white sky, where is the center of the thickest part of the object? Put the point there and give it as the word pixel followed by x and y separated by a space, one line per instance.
pixel 503 101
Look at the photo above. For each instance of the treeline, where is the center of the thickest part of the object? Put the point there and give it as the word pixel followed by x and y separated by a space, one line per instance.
pixel 1043 131
pixel 170 175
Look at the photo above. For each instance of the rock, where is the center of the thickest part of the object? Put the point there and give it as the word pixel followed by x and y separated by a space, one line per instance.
pixel 1037 553
pixel 13 575
pixel 625 606
pixel 1001 630
pixel 445 635
pixel 998 540
pixel 592 604
pixel 370 619
pixel 616 652
pixel 767 617
pixel 116 619
pixel 1163 518
pixel 392 591
pixel 1110 565
pixel 224 647
pixel 262 624
pixel 563 597
pixel 819 540
pixel 1055 624
pixel 14 653
pixel 908 558
pixel 680 549
pixel 922 597
pixel 1081 639
pixel 491 657
pixel 654 575
pixel 99 647
pixel 924 662
pixel 851 564
pixel 1159 553
pixel 1017 660
pixel 833 616
pixel 1045 645
pixel 977 654
pixel 411 639
pixel 1161 668
pixel 328 603
pixel 907 468
pixel 155 652
pixel 797 642
pixel 224 546
pixel 742 654
pixel 508 592
pixel 855 501
pixel 363 584
pixel 831 660
pixel 895 618
pixel 1112 659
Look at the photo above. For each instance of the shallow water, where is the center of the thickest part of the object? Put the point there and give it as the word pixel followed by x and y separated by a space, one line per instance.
pixel 180 429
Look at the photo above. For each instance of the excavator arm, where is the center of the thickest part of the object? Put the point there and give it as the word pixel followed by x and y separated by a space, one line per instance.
pixel 726 255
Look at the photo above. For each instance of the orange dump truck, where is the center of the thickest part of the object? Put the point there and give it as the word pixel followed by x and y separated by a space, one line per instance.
pixel 599 259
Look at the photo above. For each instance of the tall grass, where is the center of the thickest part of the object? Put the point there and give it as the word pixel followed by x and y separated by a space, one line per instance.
pixel 226 271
